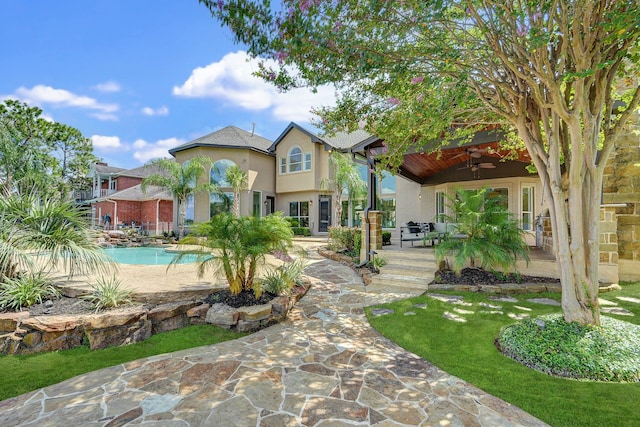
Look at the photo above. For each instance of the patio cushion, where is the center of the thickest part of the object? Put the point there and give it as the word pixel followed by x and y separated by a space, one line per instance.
pixel 413 227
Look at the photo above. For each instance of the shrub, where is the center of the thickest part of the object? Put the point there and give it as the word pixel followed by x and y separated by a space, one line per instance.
pixel 386 237
pixel 551 345
pixel 491 236
pixel 108 293
pixel 26 290
pixel 239 245
pixel 280 281
pixel 344 239
pixel 301 231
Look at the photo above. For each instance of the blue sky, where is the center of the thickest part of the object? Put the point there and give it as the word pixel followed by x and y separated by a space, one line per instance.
pixel 138 77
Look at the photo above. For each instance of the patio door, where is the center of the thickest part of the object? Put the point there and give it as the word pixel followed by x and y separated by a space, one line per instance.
pixel 324 214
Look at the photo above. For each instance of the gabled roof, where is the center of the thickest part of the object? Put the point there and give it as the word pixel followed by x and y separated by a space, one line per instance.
pixel 135 193
pixel 103 168
pixel 339 141
pixel 143 171
pixel 228 137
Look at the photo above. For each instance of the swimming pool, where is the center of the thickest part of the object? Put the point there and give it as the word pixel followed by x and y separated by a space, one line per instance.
pixel 145 256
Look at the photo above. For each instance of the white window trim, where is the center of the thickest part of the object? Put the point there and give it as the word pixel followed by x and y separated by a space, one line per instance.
pixel 304 161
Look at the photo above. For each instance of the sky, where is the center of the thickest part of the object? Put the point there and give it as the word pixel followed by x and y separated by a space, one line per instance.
pixel 139 77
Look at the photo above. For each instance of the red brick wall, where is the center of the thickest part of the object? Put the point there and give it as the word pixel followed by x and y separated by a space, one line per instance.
pixel 124 182
pixel 143 213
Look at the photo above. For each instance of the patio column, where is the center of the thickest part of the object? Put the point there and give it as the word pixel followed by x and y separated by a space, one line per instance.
pixel 375 234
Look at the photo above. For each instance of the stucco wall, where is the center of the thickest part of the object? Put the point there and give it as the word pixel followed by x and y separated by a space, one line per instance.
pixel 260 168
pixel 303 180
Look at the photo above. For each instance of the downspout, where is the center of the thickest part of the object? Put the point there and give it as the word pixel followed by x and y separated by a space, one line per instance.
pixel 371 205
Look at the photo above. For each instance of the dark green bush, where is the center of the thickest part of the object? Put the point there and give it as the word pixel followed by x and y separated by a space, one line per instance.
pixel 301 231
pixel 386 237
pixel 551 345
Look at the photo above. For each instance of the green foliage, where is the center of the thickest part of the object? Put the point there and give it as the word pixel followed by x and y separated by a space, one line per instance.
pixel 486 232
pixel 549 344
pixel 22 374
pixel 467 350
pixel 280 281
pixel 26 290
pixel 301 231
pixel 108 293
pixel 239 245
pixel 344 239
pixel 238 180
pixel 181 180
pixel 37 230
pixel 35 153
pixel 386 237
pixel 345 180
pixel 377 263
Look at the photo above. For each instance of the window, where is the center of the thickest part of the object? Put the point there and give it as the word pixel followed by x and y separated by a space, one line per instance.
pixel 219 172
pixel 388 207
pixel 219 203
pixel 440 206
pixel 257 204
pixel 189 216
pixel 307 161
pixel 295 159
pixel 283 165
pixel 527 208
pixel 300 212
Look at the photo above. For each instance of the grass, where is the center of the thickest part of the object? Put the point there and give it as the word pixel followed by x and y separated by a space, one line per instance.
pixel 21 374
pixel 467 350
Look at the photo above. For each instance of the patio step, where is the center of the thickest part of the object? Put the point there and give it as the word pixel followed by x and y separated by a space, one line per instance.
pixel 396 281
pixel 407 270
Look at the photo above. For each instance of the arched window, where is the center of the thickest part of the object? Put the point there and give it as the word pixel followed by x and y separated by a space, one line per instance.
pixel 219 172
pixel 295 159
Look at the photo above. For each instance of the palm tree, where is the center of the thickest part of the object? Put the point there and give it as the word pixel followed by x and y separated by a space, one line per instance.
pixel 239 245
pixel 181 180
pixel 55 230
pixel 238 180
pixel 346 179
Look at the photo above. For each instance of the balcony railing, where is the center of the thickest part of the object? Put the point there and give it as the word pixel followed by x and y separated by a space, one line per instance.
pixel 102 193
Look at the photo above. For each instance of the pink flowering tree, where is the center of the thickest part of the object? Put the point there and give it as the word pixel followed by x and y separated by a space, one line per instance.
pixel 560 75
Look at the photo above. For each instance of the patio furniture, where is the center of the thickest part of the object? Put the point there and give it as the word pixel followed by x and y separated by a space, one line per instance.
pixel 417 232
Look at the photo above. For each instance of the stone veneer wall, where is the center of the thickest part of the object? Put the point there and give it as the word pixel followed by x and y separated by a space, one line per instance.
pixel 608 235
pixel 621 186
pixel 375 233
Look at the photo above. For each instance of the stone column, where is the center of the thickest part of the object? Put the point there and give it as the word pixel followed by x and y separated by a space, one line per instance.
pixel 375 234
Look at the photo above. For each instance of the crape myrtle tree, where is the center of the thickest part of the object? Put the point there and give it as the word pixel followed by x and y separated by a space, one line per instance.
pixel 413 72
pixel 35 153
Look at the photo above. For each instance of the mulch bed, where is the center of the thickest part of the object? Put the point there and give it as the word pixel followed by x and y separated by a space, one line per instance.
pixel 243 299
pixel 479 277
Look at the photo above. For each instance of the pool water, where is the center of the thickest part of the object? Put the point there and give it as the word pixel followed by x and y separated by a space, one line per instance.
pixel 145 256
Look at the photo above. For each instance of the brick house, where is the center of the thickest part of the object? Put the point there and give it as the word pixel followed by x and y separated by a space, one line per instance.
pixel 118 197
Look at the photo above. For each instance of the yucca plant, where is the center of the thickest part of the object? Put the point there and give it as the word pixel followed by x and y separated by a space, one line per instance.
pixel 488 235
pixel 108 292
pixel 26 290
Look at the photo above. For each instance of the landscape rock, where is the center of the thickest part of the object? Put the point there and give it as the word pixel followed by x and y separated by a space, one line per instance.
pixel 255 312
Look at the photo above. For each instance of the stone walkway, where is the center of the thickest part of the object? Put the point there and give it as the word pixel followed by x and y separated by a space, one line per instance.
pixel 324 366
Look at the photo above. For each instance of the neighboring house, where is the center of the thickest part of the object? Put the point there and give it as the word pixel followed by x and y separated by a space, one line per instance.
pixel 118 197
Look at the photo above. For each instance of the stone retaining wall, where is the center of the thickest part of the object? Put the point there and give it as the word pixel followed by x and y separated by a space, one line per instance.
pixel 21 333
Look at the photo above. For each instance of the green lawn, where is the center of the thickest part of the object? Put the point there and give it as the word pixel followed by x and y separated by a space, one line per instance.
pixel 466 350
pixel 21 374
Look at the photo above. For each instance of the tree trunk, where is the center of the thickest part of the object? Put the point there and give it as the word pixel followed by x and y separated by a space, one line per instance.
pixel 182 213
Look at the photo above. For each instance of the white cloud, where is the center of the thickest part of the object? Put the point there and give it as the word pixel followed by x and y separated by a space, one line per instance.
pixel 162 111
pixel 108 86
pixel 41 94
pixel 231 80
pixel 145 151
pixel 105 142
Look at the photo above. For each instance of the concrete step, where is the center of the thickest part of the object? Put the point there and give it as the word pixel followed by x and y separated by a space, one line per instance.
pixel 409 270
pixel 402 280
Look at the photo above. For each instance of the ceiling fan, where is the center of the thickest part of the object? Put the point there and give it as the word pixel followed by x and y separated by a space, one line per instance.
pixel 473 152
